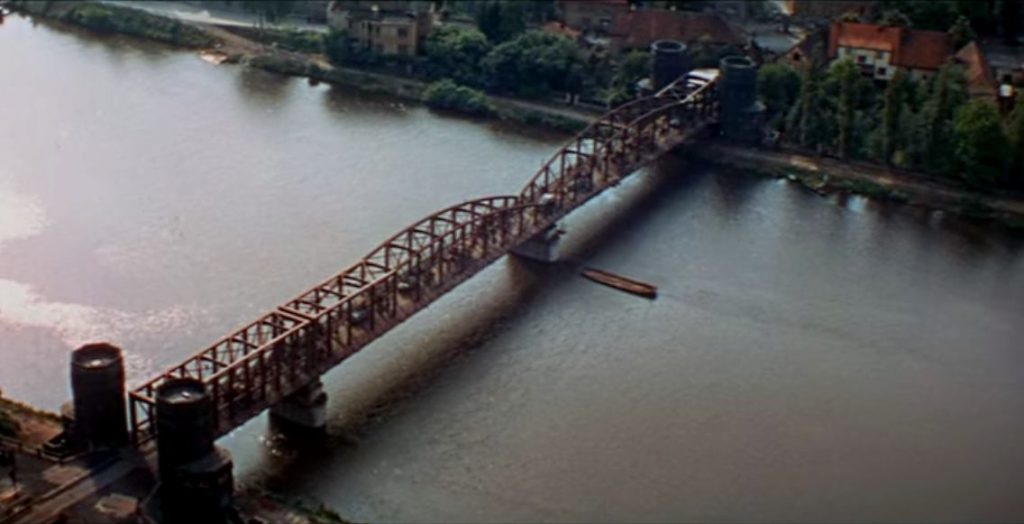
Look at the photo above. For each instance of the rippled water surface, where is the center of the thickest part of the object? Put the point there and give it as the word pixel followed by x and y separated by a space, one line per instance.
pixel 806 359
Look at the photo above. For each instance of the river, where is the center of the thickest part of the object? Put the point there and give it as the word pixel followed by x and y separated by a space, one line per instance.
pixel 807 358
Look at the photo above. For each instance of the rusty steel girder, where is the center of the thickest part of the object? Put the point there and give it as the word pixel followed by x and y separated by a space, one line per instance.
pixel 256 366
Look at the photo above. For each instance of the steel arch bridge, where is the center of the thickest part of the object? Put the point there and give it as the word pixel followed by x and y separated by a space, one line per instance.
pixel 288 348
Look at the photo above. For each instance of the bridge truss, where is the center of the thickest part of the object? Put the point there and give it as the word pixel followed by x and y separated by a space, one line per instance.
pixel 256 366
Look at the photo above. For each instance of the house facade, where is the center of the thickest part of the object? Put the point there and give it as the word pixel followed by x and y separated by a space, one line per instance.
pixel 880 51
pixel 388 28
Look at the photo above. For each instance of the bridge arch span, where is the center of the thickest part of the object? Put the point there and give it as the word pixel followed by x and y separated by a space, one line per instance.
pixel 258 365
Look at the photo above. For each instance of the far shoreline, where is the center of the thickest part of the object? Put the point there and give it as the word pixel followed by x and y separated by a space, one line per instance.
pixel 221 45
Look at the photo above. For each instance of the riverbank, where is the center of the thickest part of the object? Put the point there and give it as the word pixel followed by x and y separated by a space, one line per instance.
pixel 118 20
pixel 827 175
pixel 233 45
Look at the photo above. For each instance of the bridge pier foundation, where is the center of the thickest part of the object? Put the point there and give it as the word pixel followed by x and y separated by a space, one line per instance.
pixel 304 410
pixel 543 247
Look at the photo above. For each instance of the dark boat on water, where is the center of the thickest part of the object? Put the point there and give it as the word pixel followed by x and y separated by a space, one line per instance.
pixel 621 283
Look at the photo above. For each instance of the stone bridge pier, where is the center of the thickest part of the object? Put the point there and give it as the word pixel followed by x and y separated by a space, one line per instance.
pixel 305 410
pixel 542 247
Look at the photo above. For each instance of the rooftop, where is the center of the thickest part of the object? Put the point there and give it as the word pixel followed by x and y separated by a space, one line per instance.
pixel 912 48
pixel 640 28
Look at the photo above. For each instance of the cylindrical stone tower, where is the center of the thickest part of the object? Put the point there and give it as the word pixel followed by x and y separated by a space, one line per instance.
pixel 184 422
pixel 97 389
pixel 669 63
pixel 741 113
pixel 195 475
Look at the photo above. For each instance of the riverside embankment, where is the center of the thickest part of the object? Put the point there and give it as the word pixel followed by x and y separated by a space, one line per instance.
pixel 827 175
pixel 231 44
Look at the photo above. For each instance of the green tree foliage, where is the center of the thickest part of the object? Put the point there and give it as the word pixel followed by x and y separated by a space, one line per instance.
pixel 778 87
pixel 500 20
pixel 961 32
pixel 454 52
pixel 341 50
pixel 534 64
pixel 1015 138
pixel 845 75
pixel 948 93
pixel 937 15
pixel 850 101
pixel 894 17
pixel 981 147
pixel 806 120
pixel 124 20
pixel 895 105
pixel 630 69
pixel 446 94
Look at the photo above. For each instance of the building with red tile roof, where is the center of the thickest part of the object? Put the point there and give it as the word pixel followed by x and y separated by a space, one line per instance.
pixel 638 29
pixel 881 50
pixel 591 16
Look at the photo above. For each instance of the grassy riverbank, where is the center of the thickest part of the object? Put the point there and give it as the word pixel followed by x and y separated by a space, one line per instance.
pixel 105 18
pixel 824 175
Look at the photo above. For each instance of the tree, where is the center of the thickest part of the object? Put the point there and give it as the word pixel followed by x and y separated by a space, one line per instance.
pixel 895 104
pixel 806 117
pixel 501 21
pixel 454 52
pixel 633 67
pixel 961 32
pixel 937 15
pixel 446 94
pixel 778 87
pixel 845 75
pixel 534 64
pixel 980 145
pixel 341 50
pixel 894 17
pixel 948 93
pixel 1015 136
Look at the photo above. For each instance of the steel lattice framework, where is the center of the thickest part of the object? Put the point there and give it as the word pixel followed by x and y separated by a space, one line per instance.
pixel 256 366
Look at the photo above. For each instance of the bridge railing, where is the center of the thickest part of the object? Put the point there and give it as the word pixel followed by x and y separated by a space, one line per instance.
pixel 285 349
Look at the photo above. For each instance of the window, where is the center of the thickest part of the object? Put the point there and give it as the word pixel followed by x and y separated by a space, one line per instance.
pixel 403 49
pixel 403 32
pixel 881 71
pixel 860 59
pixel 796 56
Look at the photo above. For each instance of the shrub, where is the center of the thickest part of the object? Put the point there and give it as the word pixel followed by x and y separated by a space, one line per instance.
pixel 446 94
pixel 113 19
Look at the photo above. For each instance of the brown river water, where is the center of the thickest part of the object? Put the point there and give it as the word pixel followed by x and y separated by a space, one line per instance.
pixel 807 358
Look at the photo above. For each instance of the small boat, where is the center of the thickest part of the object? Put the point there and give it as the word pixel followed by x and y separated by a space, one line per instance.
pixel 621 283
